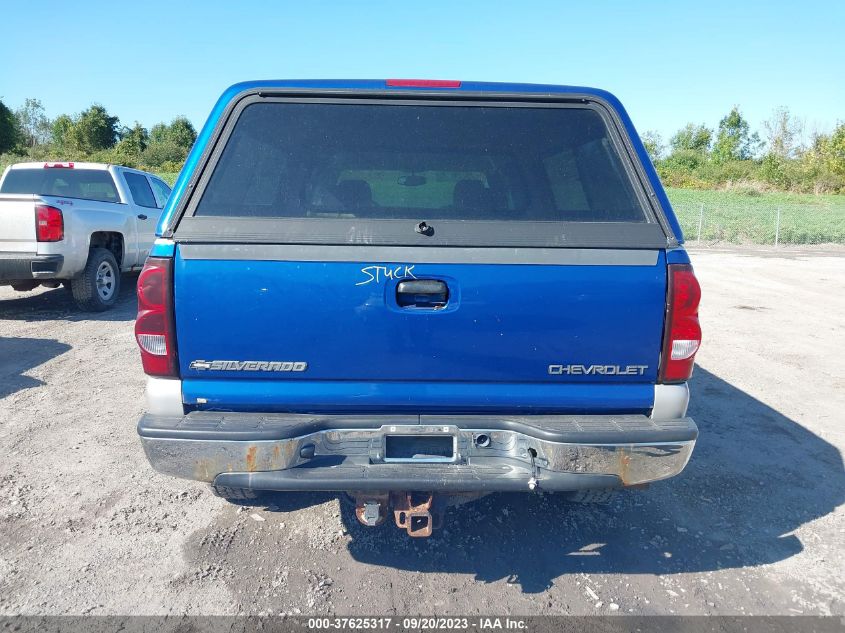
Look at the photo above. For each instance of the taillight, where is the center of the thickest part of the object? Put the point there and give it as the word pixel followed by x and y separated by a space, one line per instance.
pixel 154 329
pixel 682 336
pixel 49 224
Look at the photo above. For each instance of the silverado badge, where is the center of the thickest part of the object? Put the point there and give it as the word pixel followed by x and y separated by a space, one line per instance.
pixel 248 365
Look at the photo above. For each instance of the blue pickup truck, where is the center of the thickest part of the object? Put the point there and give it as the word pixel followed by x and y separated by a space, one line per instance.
pixel 415 292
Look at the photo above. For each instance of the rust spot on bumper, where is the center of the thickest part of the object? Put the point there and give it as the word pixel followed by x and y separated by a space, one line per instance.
pixel 251 458
pixel 289 455
pixel 624 466
pixel 251 454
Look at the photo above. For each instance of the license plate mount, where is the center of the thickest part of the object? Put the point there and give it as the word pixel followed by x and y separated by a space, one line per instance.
pixel 420 448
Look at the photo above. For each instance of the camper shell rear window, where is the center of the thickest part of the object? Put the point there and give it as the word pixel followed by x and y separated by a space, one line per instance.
pixel 290 160
pixel 349 171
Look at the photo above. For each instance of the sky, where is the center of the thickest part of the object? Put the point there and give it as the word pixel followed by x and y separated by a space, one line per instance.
pixel 669 62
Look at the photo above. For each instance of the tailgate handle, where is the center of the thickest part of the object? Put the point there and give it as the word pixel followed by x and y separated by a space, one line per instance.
pixel 422 293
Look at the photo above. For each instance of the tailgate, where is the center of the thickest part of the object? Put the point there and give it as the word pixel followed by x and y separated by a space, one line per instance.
pixel 419 255
pixel 17 223
pixel 568 336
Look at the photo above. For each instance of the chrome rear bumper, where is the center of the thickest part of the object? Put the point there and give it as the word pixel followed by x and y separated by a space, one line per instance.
pixel 299 452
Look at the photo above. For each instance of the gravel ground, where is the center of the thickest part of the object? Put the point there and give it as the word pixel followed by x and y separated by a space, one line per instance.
pixel 753 526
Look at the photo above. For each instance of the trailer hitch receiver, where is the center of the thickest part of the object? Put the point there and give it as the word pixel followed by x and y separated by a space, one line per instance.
pixel 412 512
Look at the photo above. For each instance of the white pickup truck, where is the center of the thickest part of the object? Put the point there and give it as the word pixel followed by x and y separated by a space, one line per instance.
pixel 77 224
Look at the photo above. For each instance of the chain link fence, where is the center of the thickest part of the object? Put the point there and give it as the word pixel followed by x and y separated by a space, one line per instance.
pixel 709 224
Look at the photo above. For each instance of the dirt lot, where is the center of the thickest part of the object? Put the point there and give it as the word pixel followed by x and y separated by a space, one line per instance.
pixel 753 526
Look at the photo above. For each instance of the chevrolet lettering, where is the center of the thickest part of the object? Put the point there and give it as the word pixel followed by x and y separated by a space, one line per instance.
pixel 597 370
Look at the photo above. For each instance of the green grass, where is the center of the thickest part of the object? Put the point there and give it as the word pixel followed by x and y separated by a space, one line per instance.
pixel 750 216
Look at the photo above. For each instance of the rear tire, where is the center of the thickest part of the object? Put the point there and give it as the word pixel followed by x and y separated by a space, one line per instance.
pixel 238 496
pixel 598 496
pixel 98 287
pixel 25 286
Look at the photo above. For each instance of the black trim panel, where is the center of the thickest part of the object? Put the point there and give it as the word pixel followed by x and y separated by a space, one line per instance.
pixel 18 267
pixel 634 235
pixel 414 255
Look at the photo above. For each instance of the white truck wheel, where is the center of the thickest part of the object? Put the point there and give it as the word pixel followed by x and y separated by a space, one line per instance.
pixel 98 287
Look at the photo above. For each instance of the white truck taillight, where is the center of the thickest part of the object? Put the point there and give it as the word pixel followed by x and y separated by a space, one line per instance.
pixel 682 336
pixel 49 224
pixel 154 328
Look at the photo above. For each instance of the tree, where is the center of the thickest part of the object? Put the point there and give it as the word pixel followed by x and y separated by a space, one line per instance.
pixel 92 130
pixel 783 133
pixel 831 150
pixel 160 152
pixel 823 161
pixel 159 133
pixel 180 132
pixel 134 140
pixel 692 137
pixel 836 150
pixel 170 143
pixel 59 129
pixel 34 125
pixel 653 143
pixel 733 138
pixel 129 149
pixel 9 133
